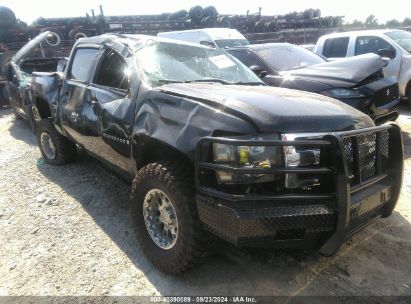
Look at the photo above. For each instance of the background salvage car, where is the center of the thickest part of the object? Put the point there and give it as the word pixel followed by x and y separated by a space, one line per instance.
pixel 209 147
pixel 358 82
pixel 389 43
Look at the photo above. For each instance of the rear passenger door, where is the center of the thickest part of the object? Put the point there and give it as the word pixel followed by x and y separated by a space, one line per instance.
pixel 109 110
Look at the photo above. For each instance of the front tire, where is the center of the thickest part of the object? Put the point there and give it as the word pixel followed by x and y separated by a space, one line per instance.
pixel 164 216
pixel 54 147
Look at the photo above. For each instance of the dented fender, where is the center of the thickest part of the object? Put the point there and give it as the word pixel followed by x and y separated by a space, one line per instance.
pixel 179 122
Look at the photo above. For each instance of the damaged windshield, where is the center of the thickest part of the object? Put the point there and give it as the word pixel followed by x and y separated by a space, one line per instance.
pixel 164 62
pixel 403 38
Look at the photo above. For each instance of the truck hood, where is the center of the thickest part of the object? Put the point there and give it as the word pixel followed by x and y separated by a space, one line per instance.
pixel 349 71
pixel 270 109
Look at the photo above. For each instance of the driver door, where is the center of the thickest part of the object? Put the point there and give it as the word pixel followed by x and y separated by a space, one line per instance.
pixel 109 110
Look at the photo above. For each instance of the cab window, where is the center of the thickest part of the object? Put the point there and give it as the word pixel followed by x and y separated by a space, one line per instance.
pixel 113 72
pixel 336 47
pixel 369 44
pixel 82 64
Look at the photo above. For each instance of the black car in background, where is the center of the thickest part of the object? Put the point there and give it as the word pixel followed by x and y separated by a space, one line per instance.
pixel 357 81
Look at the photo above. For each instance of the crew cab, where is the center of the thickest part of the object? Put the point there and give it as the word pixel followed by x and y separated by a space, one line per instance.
pixel 359 81
pixel 395 45
pixel 210 150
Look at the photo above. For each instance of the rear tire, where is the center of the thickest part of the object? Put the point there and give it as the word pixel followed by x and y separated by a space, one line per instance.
pixel 175 181
pixel 54 147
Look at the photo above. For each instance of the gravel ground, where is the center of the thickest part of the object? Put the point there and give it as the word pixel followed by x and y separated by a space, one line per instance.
pixel 65 231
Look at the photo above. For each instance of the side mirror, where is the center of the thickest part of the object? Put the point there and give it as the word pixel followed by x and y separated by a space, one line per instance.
pixel 387 53
pixel 207 43
pixel 258 71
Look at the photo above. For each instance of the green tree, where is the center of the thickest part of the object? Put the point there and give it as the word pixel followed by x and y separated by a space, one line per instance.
pixel 354 24
pixel 393 23
pixel 357 23
pixel 406 22
pixel 371 21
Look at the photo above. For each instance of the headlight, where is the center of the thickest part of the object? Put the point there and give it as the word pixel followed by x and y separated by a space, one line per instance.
pixel 301 157
pixel 245 157
pixel 343 93
pixel 269 157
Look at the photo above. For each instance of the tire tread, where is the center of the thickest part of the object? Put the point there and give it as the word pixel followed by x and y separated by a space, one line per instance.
pixel 65 149
pixel 178 178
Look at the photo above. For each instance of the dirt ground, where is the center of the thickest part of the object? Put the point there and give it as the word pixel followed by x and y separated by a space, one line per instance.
pixel 65 231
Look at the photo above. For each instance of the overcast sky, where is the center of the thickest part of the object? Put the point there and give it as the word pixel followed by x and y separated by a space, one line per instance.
pixel 351 9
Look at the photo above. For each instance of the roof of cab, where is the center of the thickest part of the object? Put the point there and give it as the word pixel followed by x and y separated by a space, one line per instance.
pixel 356 33
pixel 262 46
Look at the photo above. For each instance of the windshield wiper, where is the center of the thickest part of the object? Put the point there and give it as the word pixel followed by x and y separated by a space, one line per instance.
pixel 169 81
pixel 218 80
pixel 209 80
pixel 249 83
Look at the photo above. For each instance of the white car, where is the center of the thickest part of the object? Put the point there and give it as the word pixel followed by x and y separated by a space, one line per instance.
pixel 389 43
pixel 213 37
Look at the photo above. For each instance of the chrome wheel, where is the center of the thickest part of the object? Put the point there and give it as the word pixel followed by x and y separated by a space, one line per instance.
pixel 47 145
pixel 160 219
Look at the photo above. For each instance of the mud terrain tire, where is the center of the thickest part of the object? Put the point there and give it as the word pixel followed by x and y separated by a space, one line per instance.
pixel 175 180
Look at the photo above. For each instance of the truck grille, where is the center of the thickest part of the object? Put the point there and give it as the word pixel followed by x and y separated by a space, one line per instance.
pixel 366 155
pixel 386 95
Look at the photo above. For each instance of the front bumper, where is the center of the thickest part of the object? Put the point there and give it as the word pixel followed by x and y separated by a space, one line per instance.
pixel 358 195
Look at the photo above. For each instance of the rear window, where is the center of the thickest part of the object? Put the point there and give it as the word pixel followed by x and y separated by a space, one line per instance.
pixel 82 62
pixel 336 47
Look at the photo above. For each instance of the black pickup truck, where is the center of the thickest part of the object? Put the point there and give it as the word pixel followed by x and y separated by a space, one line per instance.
pixel 211 150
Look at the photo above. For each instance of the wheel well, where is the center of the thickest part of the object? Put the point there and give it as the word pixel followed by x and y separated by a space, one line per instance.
pixel 151 150
pixel 43 108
